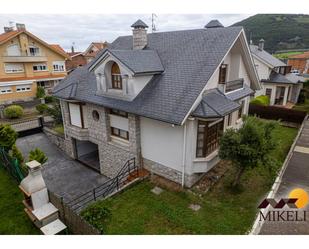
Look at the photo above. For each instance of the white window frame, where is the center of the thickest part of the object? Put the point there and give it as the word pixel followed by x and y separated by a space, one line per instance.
pixel 40 67
pixel 6 90
pixel 23 88
pixel 12 70
pixel 37 50
pixel 75 112
pixel 59 66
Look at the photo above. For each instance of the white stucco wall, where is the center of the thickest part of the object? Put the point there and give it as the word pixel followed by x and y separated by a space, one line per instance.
pixel 162 143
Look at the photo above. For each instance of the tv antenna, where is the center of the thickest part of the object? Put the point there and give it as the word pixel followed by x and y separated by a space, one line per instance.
pixel 153 26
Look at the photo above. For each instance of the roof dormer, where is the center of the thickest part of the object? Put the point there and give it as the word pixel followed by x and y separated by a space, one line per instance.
pixel 124 73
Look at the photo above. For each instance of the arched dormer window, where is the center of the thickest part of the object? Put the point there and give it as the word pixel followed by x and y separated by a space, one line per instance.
pixel 116 77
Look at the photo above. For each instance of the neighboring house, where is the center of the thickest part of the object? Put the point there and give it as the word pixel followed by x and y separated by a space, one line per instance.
pixel 27 62
pixel 78 59
pixel 164 98
pixel 93 50
pixel 300 62
pixel 277 82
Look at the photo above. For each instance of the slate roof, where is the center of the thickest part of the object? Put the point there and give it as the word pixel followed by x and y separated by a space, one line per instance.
pixel 214 24
pixel 239 94
pixel 265 56
pixel 189 58
pixel 215 104
pixel 139 24
pixel 284 79
pixel 139 61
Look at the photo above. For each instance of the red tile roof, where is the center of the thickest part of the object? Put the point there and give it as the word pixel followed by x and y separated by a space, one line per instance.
pixel 8 35
pixel 305 55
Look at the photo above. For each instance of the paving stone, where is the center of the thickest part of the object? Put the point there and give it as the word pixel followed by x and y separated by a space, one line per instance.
pixel 195 207
pixel 157 190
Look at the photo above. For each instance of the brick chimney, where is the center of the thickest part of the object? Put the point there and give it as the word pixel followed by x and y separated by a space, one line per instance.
pixel 139 34
pixel 261 44
pixel 20 26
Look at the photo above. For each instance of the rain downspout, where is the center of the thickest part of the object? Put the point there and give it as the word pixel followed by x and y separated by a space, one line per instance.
pixel 184 154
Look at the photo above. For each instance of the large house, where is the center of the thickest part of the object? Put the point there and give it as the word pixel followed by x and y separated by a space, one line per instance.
pixel 164 98
pixel 281 86
pixel 27 62
pixel 93 49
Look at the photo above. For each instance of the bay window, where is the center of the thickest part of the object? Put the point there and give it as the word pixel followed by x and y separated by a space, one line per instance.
pixel 208 135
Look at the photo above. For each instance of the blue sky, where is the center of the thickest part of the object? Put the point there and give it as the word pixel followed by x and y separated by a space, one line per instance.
pixel 82 29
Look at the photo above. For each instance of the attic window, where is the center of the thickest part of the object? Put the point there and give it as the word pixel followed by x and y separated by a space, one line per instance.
pixel 116 77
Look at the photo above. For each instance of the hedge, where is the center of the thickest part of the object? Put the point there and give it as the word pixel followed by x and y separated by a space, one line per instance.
pixel 261 100
pixel 277 113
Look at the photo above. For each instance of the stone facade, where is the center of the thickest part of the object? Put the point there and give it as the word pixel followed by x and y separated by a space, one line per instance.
pixel 139 38
pixel 113 155
pixel 171 174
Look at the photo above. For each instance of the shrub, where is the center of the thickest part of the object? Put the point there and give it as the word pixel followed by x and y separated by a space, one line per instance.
pixel 261 100
pixel 41 108
pixel 55 112
pixel 17 154
pixel 40 92
pixel 49 99
pixel 95 214
pixel 13 111
pixel 8 136
pixel 301 97
pixel 37 155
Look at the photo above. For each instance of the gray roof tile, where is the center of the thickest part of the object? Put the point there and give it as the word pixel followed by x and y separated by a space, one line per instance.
pixel 239 94
pixel 265 56
pixel 139 24
pixel 214 24
pixel 284 79
pixel 215 104
pixel 189 59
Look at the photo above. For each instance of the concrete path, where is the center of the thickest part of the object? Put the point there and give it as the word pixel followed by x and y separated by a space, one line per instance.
pixel 63 175
pixel 296 175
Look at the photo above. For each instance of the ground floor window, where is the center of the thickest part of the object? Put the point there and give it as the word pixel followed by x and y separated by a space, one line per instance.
pixel 23 88
pixel 4 90
pixel 208 135
pixel 268 92
pixel 120 133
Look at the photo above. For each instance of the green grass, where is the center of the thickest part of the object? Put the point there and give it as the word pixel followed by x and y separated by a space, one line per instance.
pixel 286 55
pixel 302 107
pixel 59 129
pixel 13 219
pixel 224 211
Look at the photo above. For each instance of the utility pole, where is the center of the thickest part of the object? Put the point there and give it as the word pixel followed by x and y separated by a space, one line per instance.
pixel 153 26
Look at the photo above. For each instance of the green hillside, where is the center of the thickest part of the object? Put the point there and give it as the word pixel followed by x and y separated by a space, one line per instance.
pixel 280 31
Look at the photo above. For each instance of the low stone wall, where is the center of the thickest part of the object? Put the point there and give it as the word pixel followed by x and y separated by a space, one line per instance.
pixel 171 174
pixel 75 223
pixel 55 138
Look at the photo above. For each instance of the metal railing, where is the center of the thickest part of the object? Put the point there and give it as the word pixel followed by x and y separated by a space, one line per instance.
pixel 107 188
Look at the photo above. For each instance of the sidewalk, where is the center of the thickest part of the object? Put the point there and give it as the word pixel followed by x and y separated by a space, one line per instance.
pixel 296 175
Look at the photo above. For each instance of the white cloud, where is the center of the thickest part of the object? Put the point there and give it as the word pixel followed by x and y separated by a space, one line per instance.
pixel 82 29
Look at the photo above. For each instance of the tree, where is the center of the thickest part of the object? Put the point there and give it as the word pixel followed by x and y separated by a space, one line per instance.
pixel 40 92
pixel 55 112
pixel 17 154
pixel 249 146
pixel 37 155
pixel 8 136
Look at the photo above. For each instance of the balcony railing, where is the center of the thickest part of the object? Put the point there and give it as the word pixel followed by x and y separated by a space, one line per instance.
pixel 24 57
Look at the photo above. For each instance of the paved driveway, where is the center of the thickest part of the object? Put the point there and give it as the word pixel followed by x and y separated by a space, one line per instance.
pixel 63 175
pixel 296 175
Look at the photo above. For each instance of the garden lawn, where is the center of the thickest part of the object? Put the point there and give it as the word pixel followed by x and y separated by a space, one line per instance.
pixel 223 210
pixel 59 129
pixel 13 219
pixel 302 107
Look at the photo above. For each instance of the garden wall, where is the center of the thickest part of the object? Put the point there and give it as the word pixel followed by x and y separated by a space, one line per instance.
pixel 289 117
pixel 75 223
pixel 55 138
